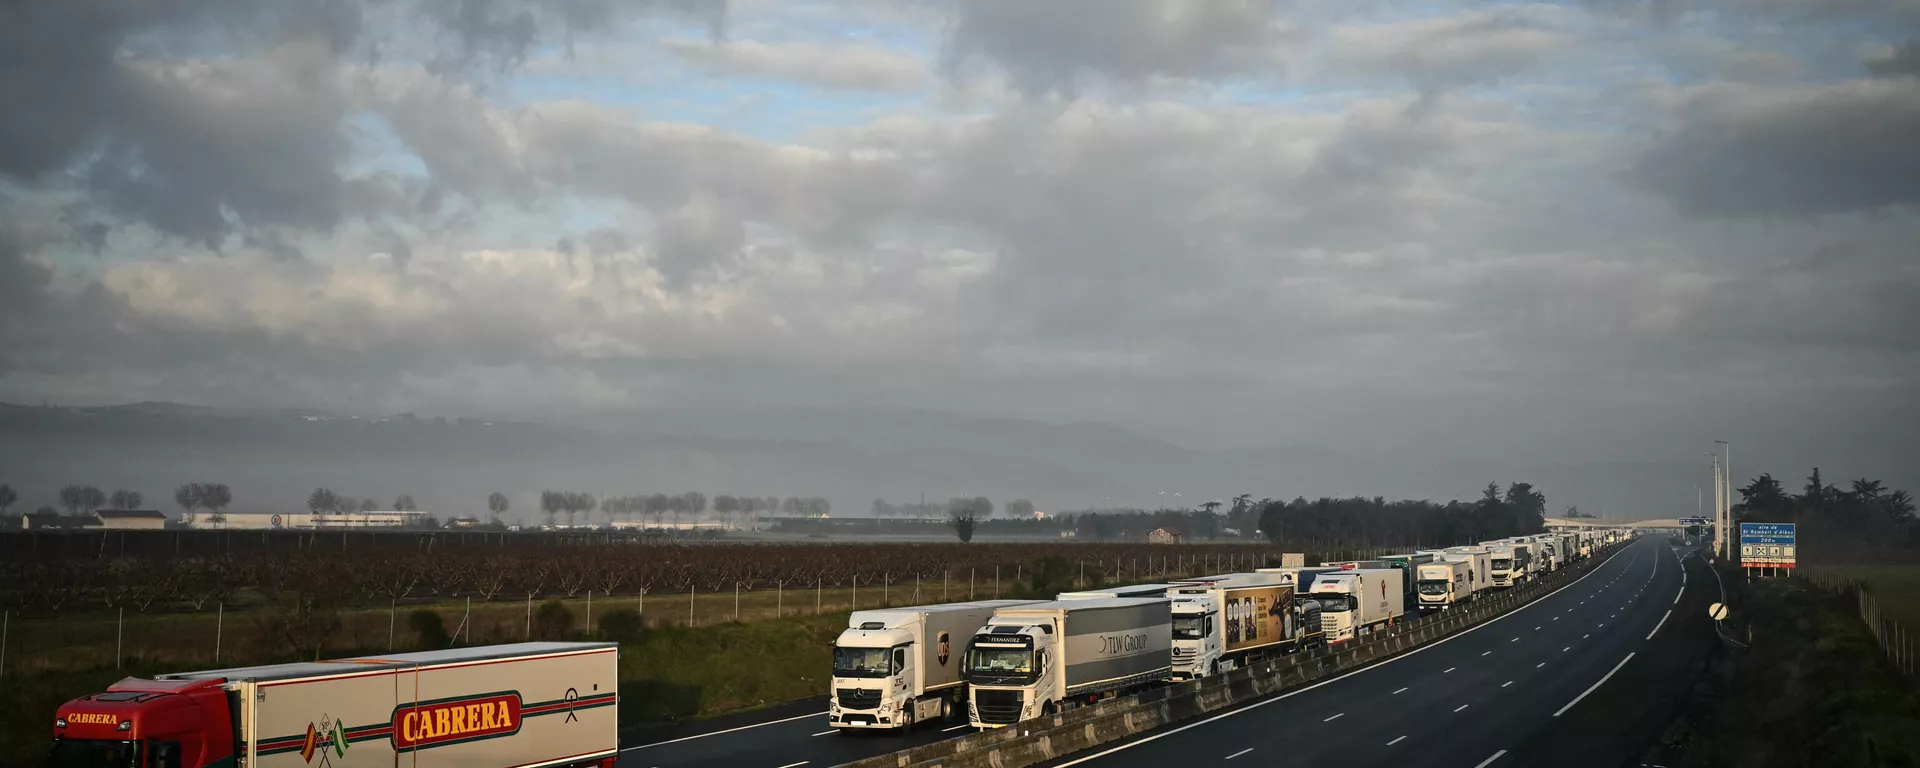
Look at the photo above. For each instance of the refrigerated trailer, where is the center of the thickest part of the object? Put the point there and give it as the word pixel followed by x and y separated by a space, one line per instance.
pixel 1511 563
pixel 1479 566
pixel 1137 590
pixel 1033 660
pixel 1223 622
pixel 1358 602
pixel 519 705
pixel 899 666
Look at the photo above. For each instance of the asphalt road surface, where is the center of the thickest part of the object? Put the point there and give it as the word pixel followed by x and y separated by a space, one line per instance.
pixel 784 740
pixel 1580 677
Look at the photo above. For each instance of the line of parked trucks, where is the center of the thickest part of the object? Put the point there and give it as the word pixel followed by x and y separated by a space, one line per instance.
pixel 1007 661
pixel 1002 661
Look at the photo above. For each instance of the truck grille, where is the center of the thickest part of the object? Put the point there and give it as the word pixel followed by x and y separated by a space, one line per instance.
pixel 1329 624
pixel 858 698
pixel 1182 654
pixel 997 707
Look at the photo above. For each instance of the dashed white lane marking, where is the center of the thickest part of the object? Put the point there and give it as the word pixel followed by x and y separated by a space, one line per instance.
pixel 1489 761
pixel 1335 717
pixel 1239 753
pixel 1507 683
pixel 1396 741
pixel 955 728
pixel 825 732
pixel 1463 706
pixel 1403 690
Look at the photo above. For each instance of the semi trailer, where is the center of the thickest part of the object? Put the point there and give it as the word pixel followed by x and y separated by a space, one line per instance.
pixel 1479 566
pixel 896 667
pixel 520 705
pixel 1223 622
pixel 1358 602
pixel 1511 563
pixel 1034 660
pixel 1137 590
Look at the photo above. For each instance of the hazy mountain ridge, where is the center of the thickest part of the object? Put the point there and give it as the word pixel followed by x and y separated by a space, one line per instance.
pixel 273 458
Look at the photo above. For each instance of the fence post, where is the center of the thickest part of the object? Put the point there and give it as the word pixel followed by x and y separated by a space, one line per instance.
pixel 916 589
pixel 996 582
pixel 393 611
pixel 6 622
pixel 119 631
pixel 779 600
pixel 736 601
pixel 816 594
pixel 466 619
pixel 529 634
pixel 219 624
pixel 691 588
pixel 886 589
pixel 856 592
pixel 589 614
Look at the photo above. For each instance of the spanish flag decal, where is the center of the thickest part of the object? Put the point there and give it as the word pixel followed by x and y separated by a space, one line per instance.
pixel 312 743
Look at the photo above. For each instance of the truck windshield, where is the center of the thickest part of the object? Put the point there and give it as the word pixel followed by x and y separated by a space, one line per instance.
pixel 1335 603
pixel 999 661
pixel 93 753
pixel 1433 587
pixel 861 662
pixel 1502 564
pixel 1189 627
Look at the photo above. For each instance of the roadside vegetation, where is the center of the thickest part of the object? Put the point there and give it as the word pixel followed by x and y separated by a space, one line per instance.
pixel 1815 690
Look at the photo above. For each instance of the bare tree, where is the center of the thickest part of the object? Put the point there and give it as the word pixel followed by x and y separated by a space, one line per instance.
pixel 125 499
pixel 73 497
pixel 551 502
pixel 215 497
pixel 404 503
pixel 497 504
pixel 7 497
pixel 320 502
pixel 188 496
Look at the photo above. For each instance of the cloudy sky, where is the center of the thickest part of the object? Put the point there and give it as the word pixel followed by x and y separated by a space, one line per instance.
pixel 1584 231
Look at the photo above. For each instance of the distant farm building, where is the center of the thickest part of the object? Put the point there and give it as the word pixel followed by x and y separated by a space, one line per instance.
pixel 265 521
pixel 131 519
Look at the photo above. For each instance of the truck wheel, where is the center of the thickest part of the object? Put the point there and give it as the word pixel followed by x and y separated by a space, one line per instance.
pixel 906 717
pixel 946 708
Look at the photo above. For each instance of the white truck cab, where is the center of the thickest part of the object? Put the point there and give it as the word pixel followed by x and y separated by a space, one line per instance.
pixel 899 666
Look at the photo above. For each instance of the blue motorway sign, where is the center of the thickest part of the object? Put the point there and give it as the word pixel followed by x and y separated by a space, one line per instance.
pixel 1769 544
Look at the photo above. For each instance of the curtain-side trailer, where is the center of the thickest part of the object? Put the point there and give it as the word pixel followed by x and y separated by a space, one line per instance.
pixel 1033 660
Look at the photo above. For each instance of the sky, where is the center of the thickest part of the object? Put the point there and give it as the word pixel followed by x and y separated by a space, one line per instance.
pixel 1607 230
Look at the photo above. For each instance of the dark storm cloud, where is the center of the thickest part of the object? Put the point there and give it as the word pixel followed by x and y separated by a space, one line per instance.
pixel 1816 150
pixel 1904 60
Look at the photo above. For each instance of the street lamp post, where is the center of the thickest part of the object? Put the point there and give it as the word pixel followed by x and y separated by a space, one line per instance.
pixel 1725 514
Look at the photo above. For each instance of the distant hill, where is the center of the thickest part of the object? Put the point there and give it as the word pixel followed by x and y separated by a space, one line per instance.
pixel 273 458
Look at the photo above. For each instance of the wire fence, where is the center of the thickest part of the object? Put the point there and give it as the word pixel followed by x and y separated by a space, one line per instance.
pixel 1896 639
pixel 224 634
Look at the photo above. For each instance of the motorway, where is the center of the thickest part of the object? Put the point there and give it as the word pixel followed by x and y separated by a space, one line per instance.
pixel 1582 676
pixel 783 740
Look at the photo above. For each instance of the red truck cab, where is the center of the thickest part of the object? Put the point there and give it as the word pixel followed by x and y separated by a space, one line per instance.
pixel 146 724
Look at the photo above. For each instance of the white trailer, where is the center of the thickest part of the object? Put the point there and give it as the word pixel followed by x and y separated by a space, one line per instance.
pixel 1137 590
pixel 1479 566
pixel 1222 622
pixel 1358 602
pixel 524 704
pixel 1034 660
pixel 1444 584
pixel 899 666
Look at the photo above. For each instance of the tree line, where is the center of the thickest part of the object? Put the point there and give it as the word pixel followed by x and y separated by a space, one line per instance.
pixel 1865 520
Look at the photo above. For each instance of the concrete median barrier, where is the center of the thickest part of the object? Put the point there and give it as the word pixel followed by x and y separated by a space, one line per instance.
pixel 1077 730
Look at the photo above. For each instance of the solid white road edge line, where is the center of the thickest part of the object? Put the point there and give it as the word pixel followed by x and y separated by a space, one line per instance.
pixel 1291 694
pixel 729 730
pixel 796 765
pixel 1663 622
pixel 825 732
pixel 1596 685
pixel 1489 761
pixel 1239 753
pixel 955 728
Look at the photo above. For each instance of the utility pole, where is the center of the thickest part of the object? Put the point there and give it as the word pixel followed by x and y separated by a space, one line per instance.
pixel 1725 514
